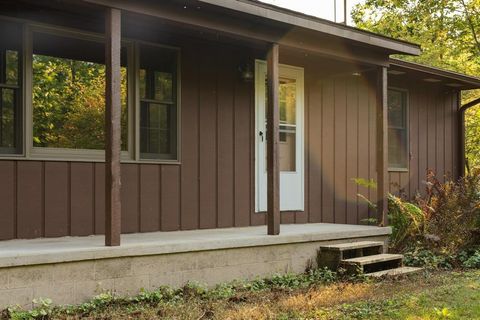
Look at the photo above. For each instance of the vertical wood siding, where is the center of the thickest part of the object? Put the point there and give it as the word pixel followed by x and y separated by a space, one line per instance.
pixel 215 182
pixel 433 139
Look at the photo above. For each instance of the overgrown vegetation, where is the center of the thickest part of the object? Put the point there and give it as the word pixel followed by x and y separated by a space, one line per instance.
pixel 441 227
pixel 191 291
pixel 446 219
pixel 314 295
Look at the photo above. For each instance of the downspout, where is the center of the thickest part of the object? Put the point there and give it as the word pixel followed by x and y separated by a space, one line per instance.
pixel 461 126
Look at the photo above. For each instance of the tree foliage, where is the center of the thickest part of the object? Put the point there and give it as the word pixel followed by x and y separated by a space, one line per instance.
pixel 449 34
pixel 69 104
pixel 447 30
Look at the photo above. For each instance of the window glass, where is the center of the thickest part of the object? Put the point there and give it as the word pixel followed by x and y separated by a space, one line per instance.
pixel 10 89
pixel 396 112
pixel 7 125
pixel 288 124
pixel 69 93
pixel 158 114
pixel 397 129
pixel 163 86
pixel 287 96
pixel 11 67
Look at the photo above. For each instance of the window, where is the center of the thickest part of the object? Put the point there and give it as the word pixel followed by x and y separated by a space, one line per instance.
pixel 64 108
pixel 397 129
pixel 158 102
pixel 68 98
pixel 10 88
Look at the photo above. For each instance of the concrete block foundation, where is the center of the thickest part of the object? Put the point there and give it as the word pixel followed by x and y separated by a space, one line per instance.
pixel 76 281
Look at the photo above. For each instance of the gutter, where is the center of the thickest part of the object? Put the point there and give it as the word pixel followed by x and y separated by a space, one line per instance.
pixel 462 110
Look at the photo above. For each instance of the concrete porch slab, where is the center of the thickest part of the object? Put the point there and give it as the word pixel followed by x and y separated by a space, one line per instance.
pixel 68 249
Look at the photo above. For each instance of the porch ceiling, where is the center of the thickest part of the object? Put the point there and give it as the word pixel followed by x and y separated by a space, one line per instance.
pixel 67 249
pixel 254 22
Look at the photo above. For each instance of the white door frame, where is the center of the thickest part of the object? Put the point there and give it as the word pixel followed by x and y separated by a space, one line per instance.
pixel 292 197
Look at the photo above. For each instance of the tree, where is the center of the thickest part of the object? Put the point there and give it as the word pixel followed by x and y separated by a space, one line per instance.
pixel 449 34
pixel 69 104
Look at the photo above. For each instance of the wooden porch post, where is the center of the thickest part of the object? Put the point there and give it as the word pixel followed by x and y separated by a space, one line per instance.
pixel 382 145
pixel 112 127
pixel 273 121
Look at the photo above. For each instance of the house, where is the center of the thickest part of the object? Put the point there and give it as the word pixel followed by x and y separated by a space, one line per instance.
pixel 142 117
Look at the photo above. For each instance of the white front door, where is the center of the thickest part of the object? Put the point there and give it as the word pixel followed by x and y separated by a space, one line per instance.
pixel 290 139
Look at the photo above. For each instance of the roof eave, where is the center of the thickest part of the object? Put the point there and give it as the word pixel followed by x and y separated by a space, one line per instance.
pixel 304 21
pixel 472 82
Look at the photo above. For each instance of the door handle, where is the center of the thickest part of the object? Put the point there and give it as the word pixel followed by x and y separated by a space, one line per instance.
pixel 260 133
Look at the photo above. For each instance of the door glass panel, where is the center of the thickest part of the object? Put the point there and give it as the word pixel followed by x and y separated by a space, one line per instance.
pixel 288 124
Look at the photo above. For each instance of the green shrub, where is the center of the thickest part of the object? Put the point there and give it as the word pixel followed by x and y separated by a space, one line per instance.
pixel 425 258
pixel 472 260
pixel 445 220
pixel 407 221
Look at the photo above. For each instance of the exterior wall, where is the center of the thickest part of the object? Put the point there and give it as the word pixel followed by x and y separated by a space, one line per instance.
pixel 214 184
pixel 433 137
pixel 77 282
pixel 340 144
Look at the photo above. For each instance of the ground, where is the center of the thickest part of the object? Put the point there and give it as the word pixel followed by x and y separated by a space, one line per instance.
pixel 440 295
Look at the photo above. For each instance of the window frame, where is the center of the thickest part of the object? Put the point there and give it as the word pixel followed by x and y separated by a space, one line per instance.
pixel 138 155
pixel 406 94
pixel 26 149
pixel 19 150
pixel 17 91
pixel 45 153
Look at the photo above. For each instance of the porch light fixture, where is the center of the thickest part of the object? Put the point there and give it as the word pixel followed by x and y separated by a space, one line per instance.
pixel 396 72
pixel 246 72
pixel 432 80
pixel 454 85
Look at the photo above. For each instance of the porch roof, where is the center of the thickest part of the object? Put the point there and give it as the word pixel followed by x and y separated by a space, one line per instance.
pixel 302 20
pixel 67 249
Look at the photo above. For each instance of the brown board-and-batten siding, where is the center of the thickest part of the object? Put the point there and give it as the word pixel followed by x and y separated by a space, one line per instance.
pixel 214 184
pixel 212 187
pixel 341 146
pixel 433 137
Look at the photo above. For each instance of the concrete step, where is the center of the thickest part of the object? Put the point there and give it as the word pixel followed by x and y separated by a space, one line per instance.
pixel 377 258
pixel 394 272
pixel 352 245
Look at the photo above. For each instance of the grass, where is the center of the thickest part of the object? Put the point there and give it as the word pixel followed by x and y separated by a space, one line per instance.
pixel 441 295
